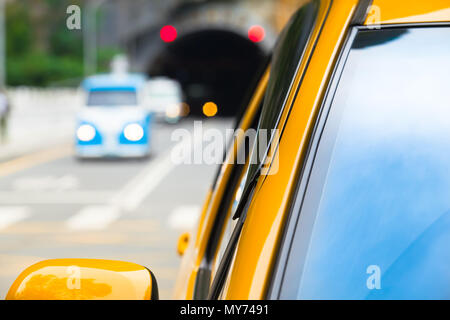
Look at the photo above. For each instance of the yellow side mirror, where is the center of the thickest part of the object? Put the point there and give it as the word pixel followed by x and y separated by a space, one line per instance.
pixel 84 279
pixel 183 242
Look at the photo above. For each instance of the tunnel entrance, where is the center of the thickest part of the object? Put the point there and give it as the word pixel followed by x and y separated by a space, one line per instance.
pixel 211 65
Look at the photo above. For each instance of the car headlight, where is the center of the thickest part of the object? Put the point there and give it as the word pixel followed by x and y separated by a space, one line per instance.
pixel 86 133
pixel 173 111
pixel 133 132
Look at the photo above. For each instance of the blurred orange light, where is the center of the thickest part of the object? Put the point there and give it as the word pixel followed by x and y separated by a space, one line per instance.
pixel 168 33
pixel 185 109
pixel 256 33
pixel 210 109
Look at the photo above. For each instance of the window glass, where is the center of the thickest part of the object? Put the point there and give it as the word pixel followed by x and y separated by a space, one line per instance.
pixel 229 223
pixel 375 223
pixel 108 98
pixel 286 58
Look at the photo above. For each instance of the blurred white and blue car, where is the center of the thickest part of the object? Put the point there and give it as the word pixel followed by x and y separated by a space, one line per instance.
pixel 165 97
pixel 114 122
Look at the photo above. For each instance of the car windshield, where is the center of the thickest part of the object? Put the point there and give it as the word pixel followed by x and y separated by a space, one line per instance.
pixel 112 98
pixel 375 222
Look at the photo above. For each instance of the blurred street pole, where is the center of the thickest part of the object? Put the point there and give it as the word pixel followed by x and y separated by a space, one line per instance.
pixel 90 35
pixel 2 45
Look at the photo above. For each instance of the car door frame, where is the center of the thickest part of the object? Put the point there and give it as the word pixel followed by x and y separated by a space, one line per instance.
pixel 282 116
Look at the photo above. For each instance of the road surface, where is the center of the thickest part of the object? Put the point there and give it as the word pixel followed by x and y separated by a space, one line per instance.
pixel 55 206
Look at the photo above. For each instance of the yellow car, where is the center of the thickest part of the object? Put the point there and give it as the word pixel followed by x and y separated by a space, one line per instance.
pixel 349 199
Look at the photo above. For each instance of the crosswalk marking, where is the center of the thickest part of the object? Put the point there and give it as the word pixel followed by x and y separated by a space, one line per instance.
pixel 184 217
pixel 11 215
pixel 132 195
pixel 58 183
pixel 47 197
pixel 134 192
pixel 93 218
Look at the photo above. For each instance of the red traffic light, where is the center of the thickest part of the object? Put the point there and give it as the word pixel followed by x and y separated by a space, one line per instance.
pixel 256 33
pixel 168 33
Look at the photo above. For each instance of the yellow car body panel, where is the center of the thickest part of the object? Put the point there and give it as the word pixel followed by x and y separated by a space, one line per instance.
pixel 184 287
pixel 408 11
pixel 251 266
pixel 193 256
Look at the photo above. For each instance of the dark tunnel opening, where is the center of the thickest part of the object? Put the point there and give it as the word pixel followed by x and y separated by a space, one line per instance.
pixel 211 65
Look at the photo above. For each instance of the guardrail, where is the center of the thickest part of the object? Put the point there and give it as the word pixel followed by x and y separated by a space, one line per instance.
pixel 26 100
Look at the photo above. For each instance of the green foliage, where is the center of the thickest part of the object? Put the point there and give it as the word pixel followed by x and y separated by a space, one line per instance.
pixel 18 36
pixel 41 51
pixel 104 58
pixel 38 69
pixel 65 42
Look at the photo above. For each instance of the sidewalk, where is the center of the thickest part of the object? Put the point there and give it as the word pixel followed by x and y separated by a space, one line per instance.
pixel 39 119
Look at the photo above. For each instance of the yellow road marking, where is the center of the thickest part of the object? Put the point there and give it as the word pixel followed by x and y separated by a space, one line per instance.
pixel 33 159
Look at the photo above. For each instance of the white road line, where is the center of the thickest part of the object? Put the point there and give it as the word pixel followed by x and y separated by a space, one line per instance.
pixel 11 215
pixel 184 217
pixel 67 197
pixel 93 218
pixel 134 192
pixel 46 183
pixel 132 195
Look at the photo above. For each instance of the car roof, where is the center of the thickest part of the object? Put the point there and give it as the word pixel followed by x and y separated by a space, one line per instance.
pixel 127 81
pixel 408 11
